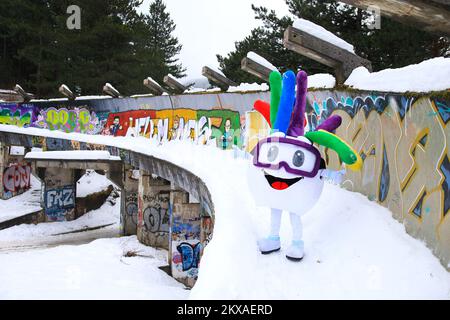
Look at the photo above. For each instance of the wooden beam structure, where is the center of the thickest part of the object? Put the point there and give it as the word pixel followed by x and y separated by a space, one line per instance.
pixel 65 91
pixel 111 91
pixel 341 60
pixel 174 84
pixel 25 95
pixel 154 86
pixel 255 68
pixel 218 79
pixel 429 15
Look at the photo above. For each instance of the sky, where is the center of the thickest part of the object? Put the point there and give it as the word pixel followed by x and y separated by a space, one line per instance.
pixel 209 27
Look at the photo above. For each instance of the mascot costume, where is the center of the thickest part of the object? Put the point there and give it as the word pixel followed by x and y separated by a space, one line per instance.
pixel 288 170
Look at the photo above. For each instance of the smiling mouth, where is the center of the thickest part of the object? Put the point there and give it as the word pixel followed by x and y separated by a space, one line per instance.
pixel 280 183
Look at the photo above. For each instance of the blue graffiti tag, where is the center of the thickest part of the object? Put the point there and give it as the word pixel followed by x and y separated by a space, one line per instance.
pixel 190 255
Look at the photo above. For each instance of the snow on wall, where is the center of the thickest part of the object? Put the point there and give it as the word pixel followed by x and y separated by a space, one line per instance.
pixel 429 75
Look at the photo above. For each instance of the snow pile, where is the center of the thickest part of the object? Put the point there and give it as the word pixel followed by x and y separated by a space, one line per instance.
pixel 72 155
pixel 244 87
pixel 429 75
pixel 322 33
pixel 23 204
pixel 105 215
pixel 98 270
pixel 199 90
pixel 92 182
pixel 262 61
pixel 321 81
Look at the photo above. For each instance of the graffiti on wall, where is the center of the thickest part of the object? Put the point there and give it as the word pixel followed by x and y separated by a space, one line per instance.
pixel 58 202
pixel 131 207
pixel 156 215
pixel 18 115
pixel 16 179
pixel 186 258
pixel 78 120
pixel 222 127
pixel 403 144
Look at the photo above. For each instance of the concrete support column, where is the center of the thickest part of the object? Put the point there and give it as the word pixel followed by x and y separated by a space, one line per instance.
pixel 185 234
pixel 59 193
pixel 154 211
pixel 129 202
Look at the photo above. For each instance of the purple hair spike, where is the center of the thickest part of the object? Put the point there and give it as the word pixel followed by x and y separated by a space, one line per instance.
pixel 330 124
pixel 296 127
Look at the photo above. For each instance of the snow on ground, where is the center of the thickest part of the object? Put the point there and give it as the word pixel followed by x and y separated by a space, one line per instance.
pixel 244 87
pixel 262 61
pixel 23 204
pixel 322 33
pixel 321 81
pixel 92 182
pixel 105 215
pixel 98 270
pixel 429 75
pixel 354 248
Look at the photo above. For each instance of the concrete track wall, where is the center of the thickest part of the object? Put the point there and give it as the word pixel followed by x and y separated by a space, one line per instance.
pixel 402 140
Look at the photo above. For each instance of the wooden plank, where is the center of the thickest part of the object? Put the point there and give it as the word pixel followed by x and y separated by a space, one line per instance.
pixel 429 15
pixel 255 68
pixel 154 87
pixel 176 86
pixel 343 61
pixel 213 76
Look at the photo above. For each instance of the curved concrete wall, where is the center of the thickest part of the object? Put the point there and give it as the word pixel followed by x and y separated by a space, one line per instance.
pixel 402 139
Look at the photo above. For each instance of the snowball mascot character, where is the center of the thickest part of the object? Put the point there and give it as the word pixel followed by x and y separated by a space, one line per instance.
pixel 288 170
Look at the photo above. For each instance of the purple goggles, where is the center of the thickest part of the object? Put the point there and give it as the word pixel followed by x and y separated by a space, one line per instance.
pixel 295 156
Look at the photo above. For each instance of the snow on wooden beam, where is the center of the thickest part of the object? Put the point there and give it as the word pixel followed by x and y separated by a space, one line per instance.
pixel 25 95
pixel 219 79
pixel 174 84
pixel 154 86
pixel 111 91
pixel 65 91
pixel 255 68
pixel 341 60
pixel 429 15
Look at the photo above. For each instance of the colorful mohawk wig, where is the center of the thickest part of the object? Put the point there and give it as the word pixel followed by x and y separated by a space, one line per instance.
pixel 286 113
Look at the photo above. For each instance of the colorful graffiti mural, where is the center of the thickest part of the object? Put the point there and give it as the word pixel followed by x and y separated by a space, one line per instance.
pixel 403 143
pixel 222 127
pixel 22 115
pixel 68 120
pixel 16 179
pixel 58 202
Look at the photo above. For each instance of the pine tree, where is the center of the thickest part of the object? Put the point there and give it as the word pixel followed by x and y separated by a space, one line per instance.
pixel 115 44
pixel 162 43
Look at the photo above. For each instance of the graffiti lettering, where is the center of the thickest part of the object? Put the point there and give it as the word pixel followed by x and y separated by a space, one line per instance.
pixel 76 120
pixel 59 201
pixel 16 179
pixel 189 254
pixel 17 115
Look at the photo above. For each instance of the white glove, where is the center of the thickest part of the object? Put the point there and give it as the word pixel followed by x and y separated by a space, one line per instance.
pixel 333 176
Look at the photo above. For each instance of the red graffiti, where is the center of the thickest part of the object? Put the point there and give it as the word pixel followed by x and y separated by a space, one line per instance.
pixel 17 177
pixel 118 123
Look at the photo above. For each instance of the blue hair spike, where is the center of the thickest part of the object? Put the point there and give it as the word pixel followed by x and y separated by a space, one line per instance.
pixel 287 101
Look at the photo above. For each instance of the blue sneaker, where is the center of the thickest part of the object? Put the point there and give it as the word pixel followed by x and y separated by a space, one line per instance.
pixel 269 245
pixel 295 252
